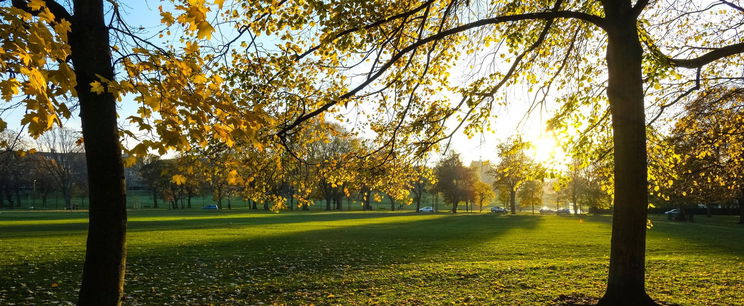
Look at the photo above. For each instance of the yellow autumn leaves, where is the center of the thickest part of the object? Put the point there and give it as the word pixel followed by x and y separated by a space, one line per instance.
pixel 33 53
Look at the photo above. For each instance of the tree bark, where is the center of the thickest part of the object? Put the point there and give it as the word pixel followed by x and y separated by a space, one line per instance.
pixel 418 202
pixel 625 284
pixel 454 207
pixel 573 195
pixel 105 257
pixel 154 198
pixel 513 201
pixel 68 199
pixel 741 208
pixel 367 194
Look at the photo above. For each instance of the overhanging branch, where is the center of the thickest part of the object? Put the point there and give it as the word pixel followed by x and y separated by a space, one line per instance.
pixel 709 57
pixel 57 9
pixel 595 20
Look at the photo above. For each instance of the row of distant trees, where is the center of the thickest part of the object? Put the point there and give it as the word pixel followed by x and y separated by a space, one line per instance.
pixel 698 162
pixel 517 178
pixel 57 168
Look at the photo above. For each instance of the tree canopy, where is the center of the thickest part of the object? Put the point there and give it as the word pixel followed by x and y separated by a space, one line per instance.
pixel 604 62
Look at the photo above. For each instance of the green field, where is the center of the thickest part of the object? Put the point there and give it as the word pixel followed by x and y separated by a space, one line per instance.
pixel 245 257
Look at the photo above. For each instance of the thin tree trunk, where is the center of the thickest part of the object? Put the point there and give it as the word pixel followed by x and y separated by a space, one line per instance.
pixel 68 198
pixel 741 208
pixel 17 193
pixel 454 207
pixel 105 257
pixel 418 202
pixel 513 201
pixel 154 198
pixel 626 284
pixel 573 195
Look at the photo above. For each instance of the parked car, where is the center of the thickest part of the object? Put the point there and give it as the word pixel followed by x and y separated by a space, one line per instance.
pixel 563 211
pixel 211 206
pixel 546 210
pixel 672 212
pixel 498 210
pixel 426 209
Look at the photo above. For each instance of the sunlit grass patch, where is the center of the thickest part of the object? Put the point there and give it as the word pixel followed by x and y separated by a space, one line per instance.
pixel 360 258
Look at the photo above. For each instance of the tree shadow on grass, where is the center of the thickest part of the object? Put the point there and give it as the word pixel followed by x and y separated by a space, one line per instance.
pixel 179 220
pixel 309 254
pixel 714 234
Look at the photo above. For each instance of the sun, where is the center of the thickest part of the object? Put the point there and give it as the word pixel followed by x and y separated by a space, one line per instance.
pixel 547 151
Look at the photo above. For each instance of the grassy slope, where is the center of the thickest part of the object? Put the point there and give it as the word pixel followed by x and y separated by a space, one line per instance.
pixel 357 258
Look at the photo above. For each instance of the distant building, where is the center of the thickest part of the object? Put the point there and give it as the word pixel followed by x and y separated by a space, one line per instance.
pixel 483 170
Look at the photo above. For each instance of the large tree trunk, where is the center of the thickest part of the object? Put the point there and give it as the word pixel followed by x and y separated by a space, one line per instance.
pixel 367 194
pixel 454 207
pixel 105 257
pixel 625 284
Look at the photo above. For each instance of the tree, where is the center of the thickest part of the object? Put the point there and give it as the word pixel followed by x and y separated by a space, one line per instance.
pixel 12 148
pixel 585 184
pixel 709 141
pixel 483 194
pixel 43 184
pixel 531 193
pixel 60 52
pixel 454 181
pixel 514 168
pixel 415 43
pixel 63 160
pixel 150 168
pixel 423 181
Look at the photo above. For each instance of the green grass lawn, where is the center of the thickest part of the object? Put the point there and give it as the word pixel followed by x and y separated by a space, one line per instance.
pixel 245 257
